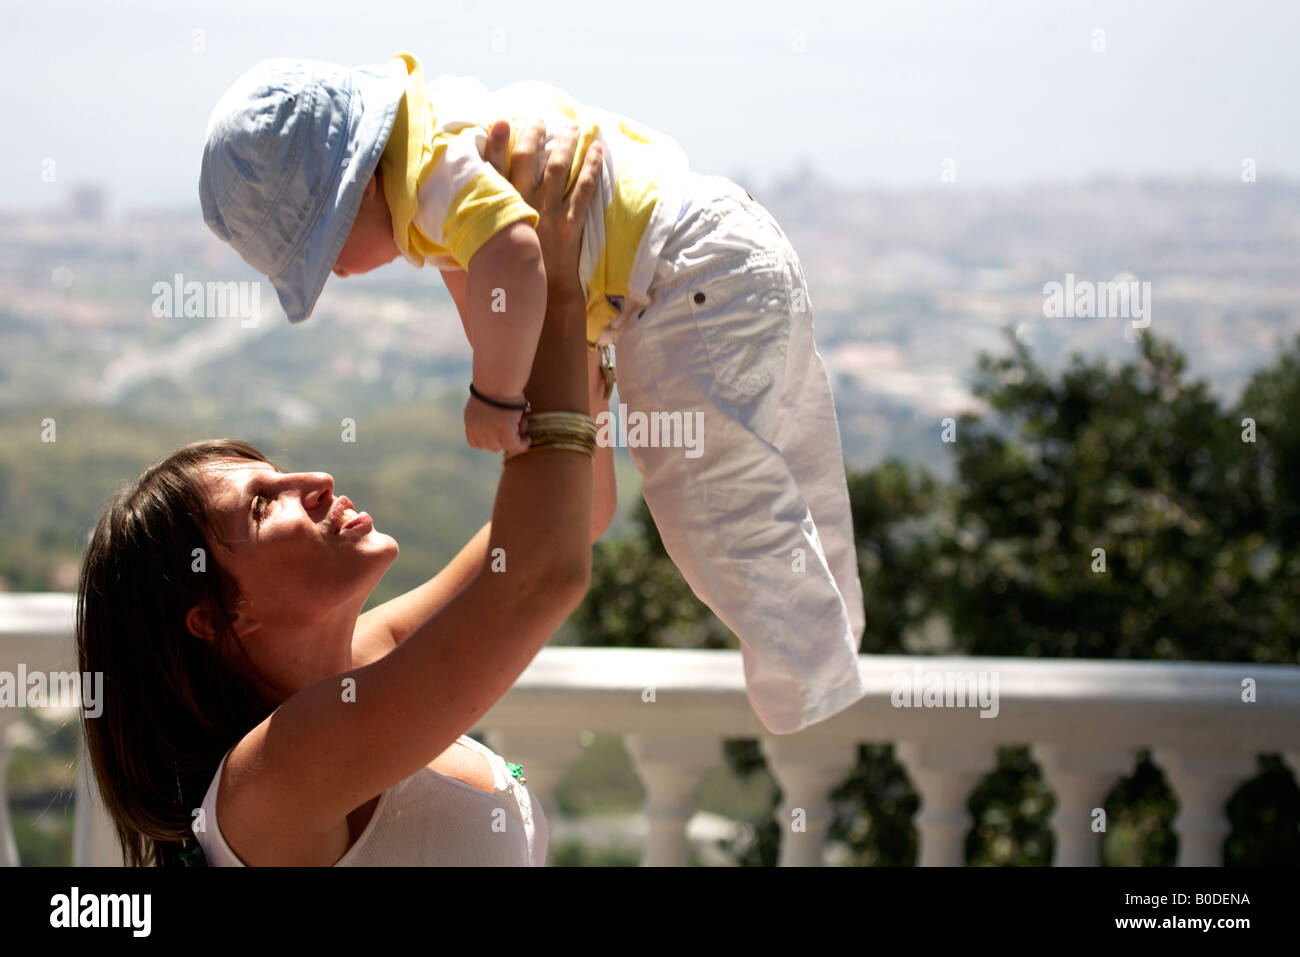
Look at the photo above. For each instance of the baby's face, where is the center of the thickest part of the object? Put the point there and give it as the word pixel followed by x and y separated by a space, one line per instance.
pixel 370 242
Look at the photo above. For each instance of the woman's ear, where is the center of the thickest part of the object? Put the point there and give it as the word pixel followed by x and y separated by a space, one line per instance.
pixel 199 622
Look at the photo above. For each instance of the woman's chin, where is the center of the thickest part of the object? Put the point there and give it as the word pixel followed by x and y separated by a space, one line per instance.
pixel 363 534
pixel 373 557
pixel 379 543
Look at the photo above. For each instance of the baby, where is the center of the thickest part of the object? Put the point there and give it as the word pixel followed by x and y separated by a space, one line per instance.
pixel 311 167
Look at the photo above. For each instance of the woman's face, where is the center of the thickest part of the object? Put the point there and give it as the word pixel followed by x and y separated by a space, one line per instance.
pixel 293 562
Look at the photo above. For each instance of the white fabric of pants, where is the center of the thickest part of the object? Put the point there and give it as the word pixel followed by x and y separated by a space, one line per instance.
pixel 758 523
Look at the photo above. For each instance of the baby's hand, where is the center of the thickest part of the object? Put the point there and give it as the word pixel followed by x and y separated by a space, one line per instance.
pixel 493 429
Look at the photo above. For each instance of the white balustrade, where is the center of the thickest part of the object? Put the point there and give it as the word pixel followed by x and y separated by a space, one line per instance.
pixel 8 850
pixel 1084 721
pixel 1203 781
pixel 671 766
pixel 1081 779
pixel 94 839
pixel 808 769
pixel 944 776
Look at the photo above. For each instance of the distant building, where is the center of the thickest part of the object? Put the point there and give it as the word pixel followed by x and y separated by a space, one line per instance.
pixel 88 203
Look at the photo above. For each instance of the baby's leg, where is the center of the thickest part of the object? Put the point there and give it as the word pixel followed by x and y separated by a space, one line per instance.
pixel 808 436
pixel 717 345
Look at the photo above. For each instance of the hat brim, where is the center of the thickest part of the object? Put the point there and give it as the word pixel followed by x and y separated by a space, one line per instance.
pixel 376 93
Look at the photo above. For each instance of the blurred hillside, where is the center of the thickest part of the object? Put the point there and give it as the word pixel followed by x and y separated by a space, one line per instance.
pixel 405 467
pixel 907 287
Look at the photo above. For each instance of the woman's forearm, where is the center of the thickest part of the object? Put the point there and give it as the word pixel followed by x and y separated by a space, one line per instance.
pixel 558 382
pixel 541 520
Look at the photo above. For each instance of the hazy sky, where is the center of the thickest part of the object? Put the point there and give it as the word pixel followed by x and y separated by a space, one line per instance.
pixel 876 93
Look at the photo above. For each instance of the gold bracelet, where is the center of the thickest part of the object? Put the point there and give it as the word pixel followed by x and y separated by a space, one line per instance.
pixel 575 446
pixel 576 435
pixel 587 450
pixel 561 425
pixel 575 431
pixel 572 420
pixel 584 442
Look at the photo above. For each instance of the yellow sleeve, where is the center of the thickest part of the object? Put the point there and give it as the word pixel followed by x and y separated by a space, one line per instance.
pixel 486 205
pixel 464 201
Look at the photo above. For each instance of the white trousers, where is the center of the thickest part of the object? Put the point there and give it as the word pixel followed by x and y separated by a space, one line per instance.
pixel 758 520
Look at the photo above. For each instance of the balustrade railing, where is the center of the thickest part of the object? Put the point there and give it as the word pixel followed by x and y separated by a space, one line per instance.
pixel 1084 720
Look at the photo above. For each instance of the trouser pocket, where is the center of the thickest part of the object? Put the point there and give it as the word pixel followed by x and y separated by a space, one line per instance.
pixel 743 316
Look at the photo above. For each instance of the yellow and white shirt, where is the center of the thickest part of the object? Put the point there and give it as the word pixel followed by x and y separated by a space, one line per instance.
pixel 447 200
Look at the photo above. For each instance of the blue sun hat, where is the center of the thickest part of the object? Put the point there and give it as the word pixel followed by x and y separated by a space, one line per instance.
pixel 289 150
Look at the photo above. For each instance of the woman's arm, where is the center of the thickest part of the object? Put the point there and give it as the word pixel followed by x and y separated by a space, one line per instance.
pixel 338 743
pixel 604 499
pixel 385 626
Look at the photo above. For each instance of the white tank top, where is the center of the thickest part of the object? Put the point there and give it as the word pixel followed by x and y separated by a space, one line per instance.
pixel 428 820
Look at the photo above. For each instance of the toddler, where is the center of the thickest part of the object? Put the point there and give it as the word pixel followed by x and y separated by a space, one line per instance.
pixel 311 168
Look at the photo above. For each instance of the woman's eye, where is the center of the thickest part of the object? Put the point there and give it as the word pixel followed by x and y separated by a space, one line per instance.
pixel 260 504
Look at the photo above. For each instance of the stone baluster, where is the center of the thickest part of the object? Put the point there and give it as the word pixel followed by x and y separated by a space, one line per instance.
pixel 1202 783
pixel 808 769
pixel 670 767
pixel 8 849
pixel 94 839
pixel 944 777
pixel 1081 779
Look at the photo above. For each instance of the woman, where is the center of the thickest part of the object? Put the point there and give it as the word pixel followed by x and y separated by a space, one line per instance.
pixel 251 704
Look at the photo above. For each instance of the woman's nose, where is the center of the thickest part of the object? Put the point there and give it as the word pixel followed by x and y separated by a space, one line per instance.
pixel 340 272
pixel 317 486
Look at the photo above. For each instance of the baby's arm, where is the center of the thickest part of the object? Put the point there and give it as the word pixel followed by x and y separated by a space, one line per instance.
pixel 455 281
pixel 505 301
pixel 604 489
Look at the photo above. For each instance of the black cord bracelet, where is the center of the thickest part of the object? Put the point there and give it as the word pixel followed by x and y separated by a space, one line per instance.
pixel 526 407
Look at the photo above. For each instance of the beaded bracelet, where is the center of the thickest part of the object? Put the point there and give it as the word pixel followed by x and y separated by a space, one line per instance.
pixel 525 408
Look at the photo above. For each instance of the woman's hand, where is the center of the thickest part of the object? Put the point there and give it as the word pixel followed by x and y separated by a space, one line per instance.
pixel 560 234
pixel 561 214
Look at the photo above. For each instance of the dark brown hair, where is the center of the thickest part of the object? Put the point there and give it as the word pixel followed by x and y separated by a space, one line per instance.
pixel 173 703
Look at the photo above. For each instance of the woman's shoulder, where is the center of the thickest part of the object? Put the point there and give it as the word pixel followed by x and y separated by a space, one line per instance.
pixel 255 819
pixel 239 814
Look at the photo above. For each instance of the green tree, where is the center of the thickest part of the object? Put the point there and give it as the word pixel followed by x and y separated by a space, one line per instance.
pixel 638 598
pixel 1138 464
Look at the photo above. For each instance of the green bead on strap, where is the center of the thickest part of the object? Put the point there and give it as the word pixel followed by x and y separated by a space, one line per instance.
pixel 518 771
pixel 193 856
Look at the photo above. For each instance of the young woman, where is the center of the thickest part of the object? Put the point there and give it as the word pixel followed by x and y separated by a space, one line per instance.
pixel 249 702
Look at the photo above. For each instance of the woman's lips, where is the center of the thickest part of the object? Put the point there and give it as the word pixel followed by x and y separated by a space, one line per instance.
pixel 354 519
pixel 343 515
